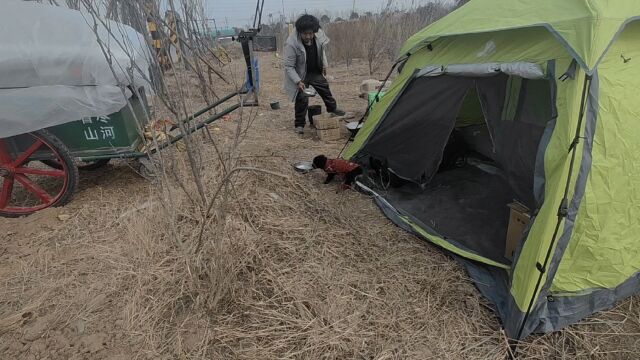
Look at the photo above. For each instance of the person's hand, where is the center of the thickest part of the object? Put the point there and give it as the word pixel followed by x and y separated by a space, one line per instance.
pixel 324 72
pixel 301 86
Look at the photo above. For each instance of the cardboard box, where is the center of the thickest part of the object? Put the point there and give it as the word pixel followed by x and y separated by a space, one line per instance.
pixel 324 122
pixel 370 85
pixel 518 221
pixel 329 134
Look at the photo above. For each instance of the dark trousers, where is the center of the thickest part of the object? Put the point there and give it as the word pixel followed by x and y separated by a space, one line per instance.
pixel 302 102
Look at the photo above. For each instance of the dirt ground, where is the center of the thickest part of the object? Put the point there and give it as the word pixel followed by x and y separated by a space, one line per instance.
pixel 316 273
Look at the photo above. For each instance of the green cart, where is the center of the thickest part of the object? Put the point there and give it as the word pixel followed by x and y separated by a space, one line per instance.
pixel 41 169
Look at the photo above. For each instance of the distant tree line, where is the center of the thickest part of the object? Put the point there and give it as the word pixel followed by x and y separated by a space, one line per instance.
pixel 373 37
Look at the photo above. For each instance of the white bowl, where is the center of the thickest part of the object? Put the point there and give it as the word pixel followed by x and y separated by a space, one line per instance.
pixel 354 125
pixel 303 166
pixel 309 92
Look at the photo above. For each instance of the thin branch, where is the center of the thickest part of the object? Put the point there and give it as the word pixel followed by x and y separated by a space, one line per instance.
pixel 222 184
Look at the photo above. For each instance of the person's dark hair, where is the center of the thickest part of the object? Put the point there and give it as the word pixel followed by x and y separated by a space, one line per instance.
pixel 307 23
pixel 319 162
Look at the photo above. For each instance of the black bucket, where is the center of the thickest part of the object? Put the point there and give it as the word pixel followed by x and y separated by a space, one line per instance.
pixel 314 110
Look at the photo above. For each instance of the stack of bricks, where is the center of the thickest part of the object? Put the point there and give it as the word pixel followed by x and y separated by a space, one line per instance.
pixel 328 127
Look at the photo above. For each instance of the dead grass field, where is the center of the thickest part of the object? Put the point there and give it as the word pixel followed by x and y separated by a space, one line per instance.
pixel 288 268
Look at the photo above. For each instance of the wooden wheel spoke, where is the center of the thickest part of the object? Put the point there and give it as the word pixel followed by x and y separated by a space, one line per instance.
pixel 5 192
pixel 27 154
pixel 34 188
pixel 25 185
pixel 30 171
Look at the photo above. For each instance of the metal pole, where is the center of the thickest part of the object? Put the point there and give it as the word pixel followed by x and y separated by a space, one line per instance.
pixel 253 73
pixel 255 16
pixel 563 211
pixel 260 17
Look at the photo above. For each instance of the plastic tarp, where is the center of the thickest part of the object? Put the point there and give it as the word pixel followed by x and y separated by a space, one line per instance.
pixel 522 69
pixel 53 69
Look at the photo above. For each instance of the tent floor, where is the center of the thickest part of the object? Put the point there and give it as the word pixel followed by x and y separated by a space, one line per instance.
pixel 467 206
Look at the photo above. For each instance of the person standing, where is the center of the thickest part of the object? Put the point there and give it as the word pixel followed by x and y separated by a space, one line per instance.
pixel 305 64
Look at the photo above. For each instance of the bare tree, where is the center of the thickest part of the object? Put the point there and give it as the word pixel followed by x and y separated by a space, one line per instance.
pixel 378 37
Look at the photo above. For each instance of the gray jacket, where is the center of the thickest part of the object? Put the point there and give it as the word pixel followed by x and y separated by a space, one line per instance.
pixel 295 60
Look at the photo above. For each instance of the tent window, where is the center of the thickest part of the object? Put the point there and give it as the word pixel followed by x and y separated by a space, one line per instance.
pixel 535 105
pixel 527 101
pixel 512 98
pixel 471 111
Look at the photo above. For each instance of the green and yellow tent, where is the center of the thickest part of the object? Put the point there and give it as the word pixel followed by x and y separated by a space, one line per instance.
pixel 532 101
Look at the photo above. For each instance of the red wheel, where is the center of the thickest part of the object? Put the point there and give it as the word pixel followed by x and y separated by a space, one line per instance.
pixel 29 186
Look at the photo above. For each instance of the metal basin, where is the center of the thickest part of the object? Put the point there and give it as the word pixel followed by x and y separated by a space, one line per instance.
pixel 303 166
pixel 309 92
pixel 354 127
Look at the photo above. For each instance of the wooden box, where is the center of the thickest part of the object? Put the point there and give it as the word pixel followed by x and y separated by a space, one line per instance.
pixel 324 122
pixel 329 134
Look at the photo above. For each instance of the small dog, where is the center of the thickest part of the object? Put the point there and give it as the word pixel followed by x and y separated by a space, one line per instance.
pixel 346 169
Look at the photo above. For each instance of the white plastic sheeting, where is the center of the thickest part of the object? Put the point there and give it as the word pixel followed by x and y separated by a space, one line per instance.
pixel 523 69
pixel 53 69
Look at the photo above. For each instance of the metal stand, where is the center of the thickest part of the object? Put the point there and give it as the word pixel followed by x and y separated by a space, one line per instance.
pixel 246 38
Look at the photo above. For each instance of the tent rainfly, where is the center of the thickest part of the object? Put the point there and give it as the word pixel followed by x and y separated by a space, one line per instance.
pixel 527 101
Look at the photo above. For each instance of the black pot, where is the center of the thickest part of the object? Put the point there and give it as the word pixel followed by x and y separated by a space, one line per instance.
pixel 314 110
pixel 275 105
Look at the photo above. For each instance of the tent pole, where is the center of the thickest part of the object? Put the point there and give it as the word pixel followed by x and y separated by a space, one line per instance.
pixel 377 98
pixel 562 211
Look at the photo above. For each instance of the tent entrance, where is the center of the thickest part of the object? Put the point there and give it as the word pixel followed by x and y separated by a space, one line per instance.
pixel 453 163
pixel 466 206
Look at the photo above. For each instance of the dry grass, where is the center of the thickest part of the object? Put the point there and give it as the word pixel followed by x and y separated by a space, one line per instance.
pixel 288 268
pixel 291 275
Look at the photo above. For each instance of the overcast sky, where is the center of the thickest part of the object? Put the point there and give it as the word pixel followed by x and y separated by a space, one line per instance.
pixel 240 12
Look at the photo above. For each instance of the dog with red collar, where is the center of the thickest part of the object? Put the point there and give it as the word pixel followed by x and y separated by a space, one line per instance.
pixel 347 170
